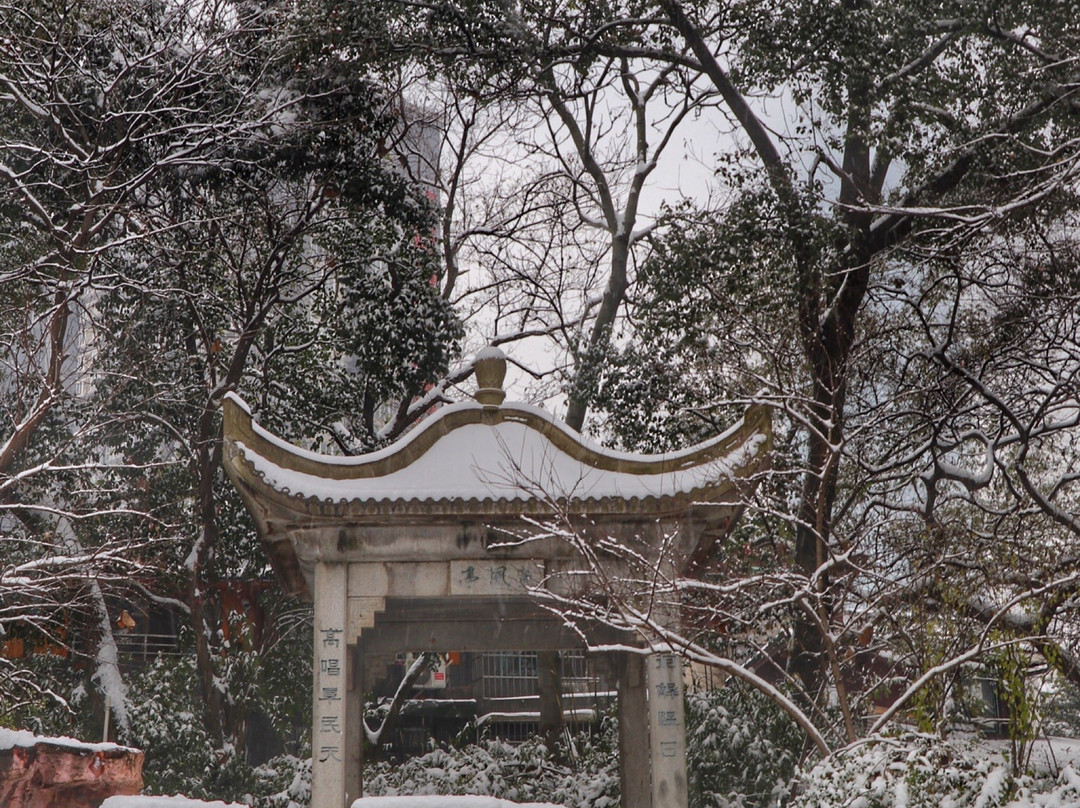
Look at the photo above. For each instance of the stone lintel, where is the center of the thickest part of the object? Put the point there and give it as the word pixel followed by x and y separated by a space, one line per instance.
pixel 478 624
pixel 403 551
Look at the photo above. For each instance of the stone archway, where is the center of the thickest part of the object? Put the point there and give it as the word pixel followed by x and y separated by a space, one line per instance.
pixel 419 529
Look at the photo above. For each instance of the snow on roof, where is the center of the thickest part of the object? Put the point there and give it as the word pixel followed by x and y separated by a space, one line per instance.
pixel 11 738
pixel 521 455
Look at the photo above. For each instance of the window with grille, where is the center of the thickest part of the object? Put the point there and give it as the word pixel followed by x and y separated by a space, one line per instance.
pixel 512 674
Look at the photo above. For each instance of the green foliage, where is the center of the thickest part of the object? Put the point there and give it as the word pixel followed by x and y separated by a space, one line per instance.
pixel 64 710
pixel 167 724
pixel 1012 666
pixel 714 320
pixel 376 334
pixel 248 233
pixel 286 781
pixel 742 748
pixel 868 63
pixel 1062 709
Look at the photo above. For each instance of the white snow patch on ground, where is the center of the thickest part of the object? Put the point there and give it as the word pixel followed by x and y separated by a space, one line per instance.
pixel 165 802
pixel 467 801
pixel 1048 755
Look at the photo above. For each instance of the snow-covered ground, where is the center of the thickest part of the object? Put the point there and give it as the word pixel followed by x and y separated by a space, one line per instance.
pixel 1048 755
pixel 445 802
pixel 366 802
pixel 165 802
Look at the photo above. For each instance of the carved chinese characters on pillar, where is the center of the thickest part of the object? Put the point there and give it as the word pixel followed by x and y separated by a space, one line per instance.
pixel 667 730
pixel 328 744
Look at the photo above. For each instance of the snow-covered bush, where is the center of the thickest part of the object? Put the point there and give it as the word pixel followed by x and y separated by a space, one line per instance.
pixel 742 749
pixel 908 771
pixel 1062 791
pixel 166 723
pixel 523 773
pixel 286 780
pixel 923 771
pixel 182 757
pixel 66 710
pixel 742 754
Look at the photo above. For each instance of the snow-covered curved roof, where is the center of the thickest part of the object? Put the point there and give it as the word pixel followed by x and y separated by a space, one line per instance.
pixel 459 484
pixel 511 458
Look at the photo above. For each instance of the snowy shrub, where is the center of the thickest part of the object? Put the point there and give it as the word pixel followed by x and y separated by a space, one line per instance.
pixel 63 707
pixel 923 771
pixel 909 771
pixel 742 749
pixel 742 754
pixel 523 773
pixel 286 780
pixel 181 756
pixel 1060 792
pixel 167 725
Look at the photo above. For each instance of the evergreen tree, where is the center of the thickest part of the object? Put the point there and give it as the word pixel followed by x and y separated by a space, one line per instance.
pixel 213 216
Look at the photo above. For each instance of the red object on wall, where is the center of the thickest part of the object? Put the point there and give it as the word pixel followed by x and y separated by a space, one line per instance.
pixel 49 774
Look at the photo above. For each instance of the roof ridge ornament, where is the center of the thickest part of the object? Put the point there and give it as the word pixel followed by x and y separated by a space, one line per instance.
pixel 490 368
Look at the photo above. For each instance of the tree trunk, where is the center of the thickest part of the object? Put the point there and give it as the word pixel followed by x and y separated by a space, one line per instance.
pixel 199 595
pixel 590 357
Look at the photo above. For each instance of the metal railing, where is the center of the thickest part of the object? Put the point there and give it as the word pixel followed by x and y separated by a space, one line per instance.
pixel 141 646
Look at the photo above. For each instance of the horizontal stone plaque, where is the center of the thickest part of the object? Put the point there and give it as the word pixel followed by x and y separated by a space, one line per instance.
pixel 491 577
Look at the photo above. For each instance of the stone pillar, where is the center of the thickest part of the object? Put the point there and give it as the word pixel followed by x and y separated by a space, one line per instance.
pixel 633 731
pixel 354 727
pixel 549 683
pixel 667 731
pixel 330 732
pixel 652 731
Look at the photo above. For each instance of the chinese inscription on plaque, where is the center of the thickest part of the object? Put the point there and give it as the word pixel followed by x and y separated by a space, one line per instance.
pixel 495 577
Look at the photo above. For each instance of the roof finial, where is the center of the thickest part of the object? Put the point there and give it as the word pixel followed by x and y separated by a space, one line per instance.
pixel 490 366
